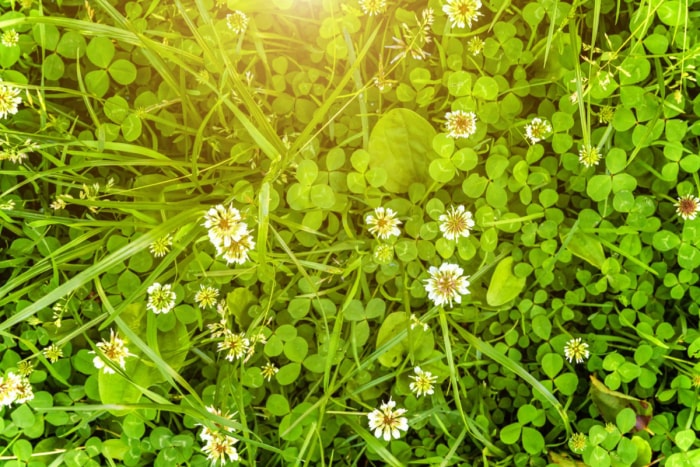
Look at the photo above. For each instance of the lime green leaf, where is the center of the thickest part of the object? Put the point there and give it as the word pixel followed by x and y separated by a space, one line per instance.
pixel 585 246
pixel 401 144
pixel 504 285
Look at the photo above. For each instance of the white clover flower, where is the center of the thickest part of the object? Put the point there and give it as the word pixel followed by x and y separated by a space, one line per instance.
pixel 219 446
pixel 422 382
pixel 589 156
pixel 8 388
pixel 237 250
pixel 9 38
pixel 460 124
pixel 475 46
pixel 206 296
pixel 114 350
pixel 456 222
pixel 161 298
pixel 446 284
pixel 237 21
pixel 9 100
pixel 53 353
pixel 224 224
pixel 269 370
pixel 161 246
pixel 537 130
pixel 373 7
pixel 383 223
pixel 688 207
pixel 235 345
pixel 461 13
pixel 386 422
pixel 577 350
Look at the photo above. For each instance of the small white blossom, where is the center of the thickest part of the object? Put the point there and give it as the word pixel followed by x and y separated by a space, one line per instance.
pixel 537 130
pixel 383 223
pixel 460 124
pixel 456 222
pixel 446 284
pixel 688 207
pixel 577 350
pixel 423 382
pixel 386 422
pixel 461 13
pixel 161 298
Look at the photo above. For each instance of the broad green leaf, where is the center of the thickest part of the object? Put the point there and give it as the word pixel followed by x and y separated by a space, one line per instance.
pixel 122 71
pixel 504 285
pixel 610 403
pixel 100 51
pixel 585 246
pixel 401 144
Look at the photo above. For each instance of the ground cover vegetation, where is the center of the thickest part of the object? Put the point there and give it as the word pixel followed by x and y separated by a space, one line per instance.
pixel 325 232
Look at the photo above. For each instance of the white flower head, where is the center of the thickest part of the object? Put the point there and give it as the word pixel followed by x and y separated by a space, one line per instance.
pixel 456 222
pixel 115 350
pixel 589 156
pixel 225 225
pixel 219 446
pixel 373 7
pixel 235 345
pixel 237 250
pixel 161 298
pixel 9 38
pixel 577 350
pixel 9 100
pixel 206 296
pixel 461 13
pixel 386 422
pixel 446 284
pixel 688 207
pixel 269 370
pixel 383 223
pixel 460 124
pixel 537 130
pixel 237 21
pixel 161 246
pixel 423 382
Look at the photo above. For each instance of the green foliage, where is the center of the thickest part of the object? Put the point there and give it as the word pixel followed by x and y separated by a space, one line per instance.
pixel 576 344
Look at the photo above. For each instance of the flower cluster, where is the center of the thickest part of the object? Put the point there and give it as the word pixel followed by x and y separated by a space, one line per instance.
pixel 386 422
pixel 206 296
pixel 446 284
pixel 688 207
pixel 53 353
pixel 9 100
pixel 114 350
pixel 237 21
pixel 15 389
pixel 229 233
pixel 9 38
pixel 537 130
pixel 161 246
pixel 589 156
pixel 269 370
pixel 383 223
pixel 460 124
pixel 161 298
pixel 456 222
pixel 373 7
pixel 462 13
pixel 577 350
pixel 218 443
pixel 423 382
